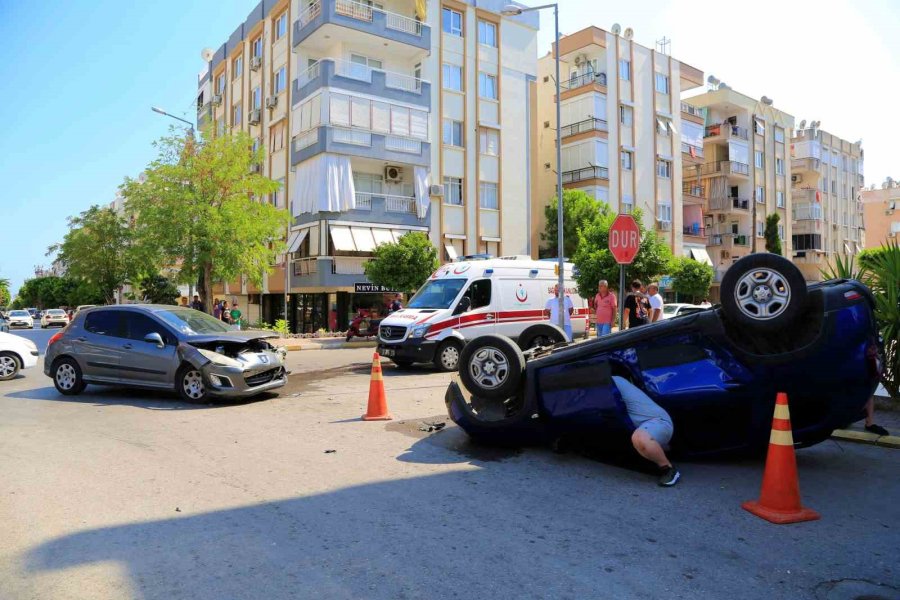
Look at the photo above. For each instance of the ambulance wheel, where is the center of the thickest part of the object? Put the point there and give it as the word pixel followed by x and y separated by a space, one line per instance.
pixel 543 334
pixel 447 356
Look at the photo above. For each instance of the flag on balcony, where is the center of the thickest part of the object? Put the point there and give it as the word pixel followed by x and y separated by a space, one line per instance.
pixel 693 152
pixel 818 197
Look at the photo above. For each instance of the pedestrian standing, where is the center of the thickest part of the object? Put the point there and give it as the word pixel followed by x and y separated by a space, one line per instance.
pixel 636 307
pixel 396 304
pixel 605 307
pixel 217 308
pixel 235 315
pixel 226 314
pixel 196 304
pixel 656 302
pixel 551 310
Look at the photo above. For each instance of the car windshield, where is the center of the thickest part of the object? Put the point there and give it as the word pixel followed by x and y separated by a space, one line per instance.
pixel 189 321
pixel 669 309
pixel 437 293
pixel 56 312
pixel 19 313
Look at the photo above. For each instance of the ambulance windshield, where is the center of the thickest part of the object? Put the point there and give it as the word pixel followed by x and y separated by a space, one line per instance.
pixel 437 293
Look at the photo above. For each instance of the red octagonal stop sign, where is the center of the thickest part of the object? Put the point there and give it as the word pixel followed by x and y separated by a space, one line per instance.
pixel 624 239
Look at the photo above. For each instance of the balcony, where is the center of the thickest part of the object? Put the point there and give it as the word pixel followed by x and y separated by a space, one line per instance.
pixel 690 231
pixel 725 167
pixel 204 115
pixel 319 24
pixel 348 265
pixel 305 266
pixel 692 152
pixel 729 204
pixel 663 225
pixel 693 113
pixel 392 203
pixel 360 79
pixel 722 133
pixel 807 211
pixel 728 240
pixel 805 165
pixel 585 174
pixel 592 124
pixel 579 81
pixel 361 143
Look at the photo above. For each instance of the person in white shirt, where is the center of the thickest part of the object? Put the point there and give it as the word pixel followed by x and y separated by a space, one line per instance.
pixel 656 302
pixel 551 309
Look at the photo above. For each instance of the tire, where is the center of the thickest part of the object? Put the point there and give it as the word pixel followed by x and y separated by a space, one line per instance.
pixel 446 358
pixel 402 364
pixel 190 386
pixel 67 377
pixel 763 291
pixel 544 334
pixel 492 367
pixel 9 366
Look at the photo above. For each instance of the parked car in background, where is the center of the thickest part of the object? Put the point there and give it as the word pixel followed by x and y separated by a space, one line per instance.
pixel 81 308
pixel 677 310
pixel 16 353
pixel 54 316
pixel 20 318
pixel 4 324
pixel 163 347
pixel 35 314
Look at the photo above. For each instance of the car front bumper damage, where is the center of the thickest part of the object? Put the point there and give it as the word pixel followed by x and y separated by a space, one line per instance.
pixel 247 374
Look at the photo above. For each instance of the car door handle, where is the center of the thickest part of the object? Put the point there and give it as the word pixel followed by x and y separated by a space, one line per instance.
pixel 81 339
pixel 126 346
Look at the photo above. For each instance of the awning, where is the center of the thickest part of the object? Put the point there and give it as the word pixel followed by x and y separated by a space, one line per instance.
pixel 398 233
pixel 382 236
pixel 362 237
pixel 296 239
pixel 455 236
pixel 701 255
pixel 486 238
pixel 451 251
pixel 342 238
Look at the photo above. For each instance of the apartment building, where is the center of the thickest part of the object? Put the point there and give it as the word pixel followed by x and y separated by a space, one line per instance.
pixel 744 175
pixel 881 213
pixel 379 119
pixel 625 134
pixel 826 177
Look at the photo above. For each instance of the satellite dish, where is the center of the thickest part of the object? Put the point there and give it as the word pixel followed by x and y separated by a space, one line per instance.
pixel 616 29
pixel 629 33
pixel 803 124
pixel 766 100
pixel 713 80
pixel 723 85
pixel 207 54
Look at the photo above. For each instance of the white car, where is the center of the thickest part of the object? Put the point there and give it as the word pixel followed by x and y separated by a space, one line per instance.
pixel 16 353
pixel 54 316
pixel 678 310
pixel 20 318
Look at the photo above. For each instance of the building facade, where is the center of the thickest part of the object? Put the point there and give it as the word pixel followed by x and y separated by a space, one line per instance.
pixel 745 175
pixel 624 134
pixel 378 119
pixel 881 213
pixel 826 177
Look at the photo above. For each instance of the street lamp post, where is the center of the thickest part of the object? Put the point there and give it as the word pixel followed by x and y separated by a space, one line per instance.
pixel 511 10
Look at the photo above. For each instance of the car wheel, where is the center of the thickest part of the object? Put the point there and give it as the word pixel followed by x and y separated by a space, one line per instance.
pixel 9 366
pixel 67 377
pixel 402 364
pixel 763 291
pixel 447 356
pixel 491 366
pixel 190 385
pixel 545 334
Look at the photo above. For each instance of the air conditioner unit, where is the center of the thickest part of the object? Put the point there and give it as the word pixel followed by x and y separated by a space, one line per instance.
pixel 796 178
pixel 393 174
pixel 255 63
pixel 254 117
pixel 436 190
pixel 217 99
pixel 271 101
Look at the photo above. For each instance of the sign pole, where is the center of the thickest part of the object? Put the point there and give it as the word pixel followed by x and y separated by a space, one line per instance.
pixel 622 296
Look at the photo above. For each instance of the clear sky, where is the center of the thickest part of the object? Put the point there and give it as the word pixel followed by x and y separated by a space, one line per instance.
pixel 82 75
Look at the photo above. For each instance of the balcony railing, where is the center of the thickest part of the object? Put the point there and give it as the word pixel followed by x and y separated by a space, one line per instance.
pixel 721 129
pixel 803 212
pixel 693 110
pixel 392 79
pixel 577 81
pixel 309 13
pixel 400 144
pixel 352 136
pixel 348 265
pixel 585 173
pixel 728 239
pixel 363 12
pixel 692 150
pixel 694 231
pixel 364 200
pixel 726 167
pixel 695 190
pixel 663 225
pixel 306 266
pixel 728 203
pixel 306 139
pixel 592 124
pixel 392 202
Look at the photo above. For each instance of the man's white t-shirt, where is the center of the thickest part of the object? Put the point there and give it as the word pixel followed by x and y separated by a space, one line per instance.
pixel 553 306
pixel 656 301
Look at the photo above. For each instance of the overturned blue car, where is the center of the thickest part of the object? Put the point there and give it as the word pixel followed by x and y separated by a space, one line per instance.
pixel 716 372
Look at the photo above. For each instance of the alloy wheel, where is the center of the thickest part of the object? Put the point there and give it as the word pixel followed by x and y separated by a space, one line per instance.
pixel 66 376
pixel 489 367
pixel 762 294
pixel 192 383
pixel 8 366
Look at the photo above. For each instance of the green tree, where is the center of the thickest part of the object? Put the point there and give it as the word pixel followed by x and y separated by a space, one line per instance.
pixel 4 292
pixel 773 241
pixel 691 277
pixel 403 266
pixel 158 289
pixel 197 210
pixel 579 211
pixel 98 249
pixel 593 260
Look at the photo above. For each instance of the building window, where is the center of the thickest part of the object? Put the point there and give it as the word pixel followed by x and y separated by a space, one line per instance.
pixel 627 158
pixel 453 77
pixel 278 195
pixel 487 86
pixel 834 187
pixel 281 25
pixel 487 34
pixel 760 229
pixel 779 134
pixel 779 199
pixel 489 141
pixel 487 195
pixel 626 115
pixel 758 160
pixel 779 166
pixel 664 126
pixel 361 66
pixel 220 84
pixel 256 48
pixel 760 194
pixel 236 115
pixel 625 70
pixel 453 191
pixel 664 168
pixel 237 67
pixel 280 82
pixel 276 137
pixel 452 133
pixel 257 98
pixel 451 22
pixel 664 212
pixel 627 204
pixel 759 126
pixel 781 232
pixel 662 83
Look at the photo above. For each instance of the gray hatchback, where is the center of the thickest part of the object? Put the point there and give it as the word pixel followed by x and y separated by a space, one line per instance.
pixel 163 347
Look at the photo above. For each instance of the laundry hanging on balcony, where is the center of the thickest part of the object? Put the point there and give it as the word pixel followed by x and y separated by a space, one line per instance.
pixel 324 184
pixel 423 200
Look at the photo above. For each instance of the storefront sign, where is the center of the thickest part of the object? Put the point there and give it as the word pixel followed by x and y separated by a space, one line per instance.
pixel 371 288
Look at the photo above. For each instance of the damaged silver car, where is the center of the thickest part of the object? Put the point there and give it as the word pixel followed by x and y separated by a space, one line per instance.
pixel 163 347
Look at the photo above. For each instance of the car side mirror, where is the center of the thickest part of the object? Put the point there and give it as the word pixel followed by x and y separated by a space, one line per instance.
pixel 465 303
pixel 154 338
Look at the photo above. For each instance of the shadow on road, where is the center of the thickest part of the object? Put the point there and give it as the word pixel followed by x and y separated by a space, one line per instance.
pixel 121 396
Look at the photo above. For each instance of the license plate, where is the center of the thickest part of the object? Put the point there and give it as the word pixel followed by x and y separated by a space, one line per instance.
pixel 388 352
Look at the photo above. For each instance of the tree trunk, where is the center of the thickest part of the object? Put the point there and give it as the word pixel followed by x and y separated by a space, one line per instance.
pixel 206 287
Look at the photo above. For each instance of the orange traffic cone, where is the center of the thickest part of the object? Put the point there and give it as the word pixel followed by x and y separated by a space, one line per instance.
pixel 377 410
pixel 779 500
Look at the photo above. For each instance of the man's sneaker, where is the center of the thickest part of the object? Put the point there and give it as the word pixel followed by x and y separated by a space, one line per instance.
pixel 669 477
pixel 876 429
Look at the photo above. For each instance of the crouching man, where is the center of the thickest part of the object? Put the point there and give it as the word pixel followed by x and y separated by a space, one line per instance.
pixel 654 429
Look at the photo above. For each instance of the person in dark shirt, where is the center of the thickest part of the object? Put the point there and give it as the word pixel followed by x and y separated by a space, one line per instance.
pixel 637 308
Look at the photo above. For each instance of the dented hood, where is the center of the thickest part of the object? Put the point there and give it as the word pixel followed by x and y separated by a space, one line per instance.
pixel 230 336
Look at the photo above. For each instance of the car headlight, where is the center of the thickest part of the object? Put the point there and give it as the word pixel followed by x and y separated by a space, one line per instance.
pixel 419 331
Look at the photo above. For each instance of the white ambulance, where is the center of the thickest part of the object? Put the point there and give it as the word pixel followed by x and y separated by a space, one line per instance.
pixel 466 299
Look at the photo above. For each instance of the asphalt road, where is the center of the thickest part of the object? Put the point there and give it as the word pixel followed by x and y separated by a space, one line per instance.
pixel 123 494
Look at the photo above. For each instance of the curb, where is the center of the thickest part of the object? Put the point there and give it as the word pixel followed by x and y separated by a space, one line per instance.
pixel 864 437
